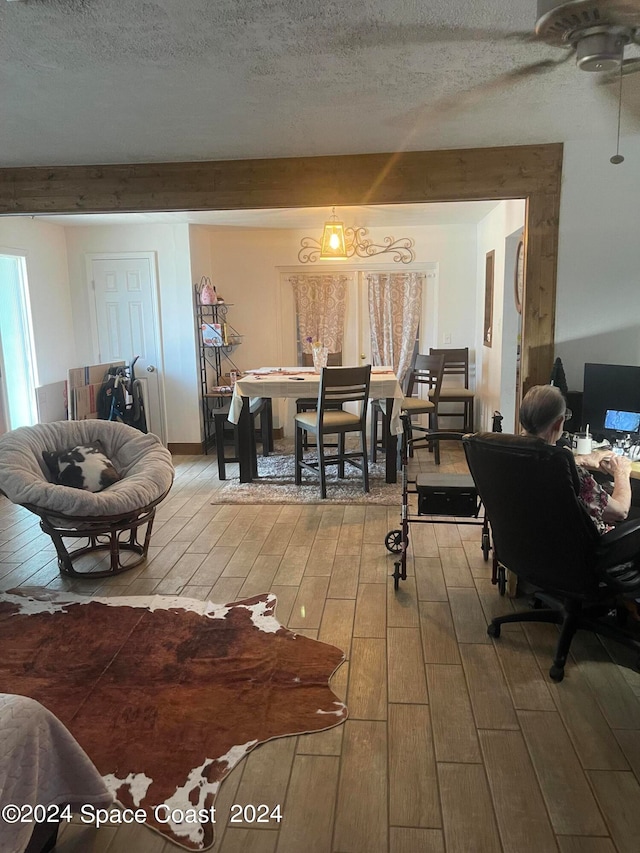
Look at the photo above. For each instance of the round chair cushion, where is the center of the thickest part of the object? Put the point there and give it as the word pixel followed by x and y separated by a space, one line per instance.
pixel 309 420
pixel 141 460
pixel 446 393
pixel 417 406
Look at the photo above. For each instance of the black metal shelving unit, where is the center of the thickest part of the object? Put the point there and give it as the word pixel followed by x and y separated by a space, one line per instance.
pixel 214 360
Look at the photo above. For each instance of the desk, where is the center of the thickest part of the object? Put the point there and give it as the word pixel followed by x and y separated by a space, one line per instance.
pixel 278 382
pixel 605 479
pixel 635 466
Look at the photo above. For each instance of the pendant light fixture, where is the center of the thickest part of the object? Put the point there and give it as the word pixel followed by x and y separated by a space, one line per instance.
pixel 333 245
pixel 339 243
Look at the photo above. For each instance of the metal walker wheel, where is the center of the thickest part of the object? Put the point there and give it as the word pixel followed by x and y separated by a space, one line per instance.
pixel 393 541
pixel 486 545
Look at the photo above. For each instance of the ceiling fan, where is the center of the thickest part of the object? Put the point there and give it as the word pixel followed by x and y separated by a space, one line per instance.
pixel 595 32
pixel 598 31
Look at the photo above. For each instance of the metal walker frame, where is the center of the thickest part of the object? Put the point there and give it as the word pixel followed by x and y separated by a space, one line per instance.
pixel 397 541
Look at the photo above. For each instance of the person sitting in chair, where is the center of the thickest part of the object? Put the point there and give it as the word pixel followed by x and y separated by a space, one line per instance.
pixel 542 414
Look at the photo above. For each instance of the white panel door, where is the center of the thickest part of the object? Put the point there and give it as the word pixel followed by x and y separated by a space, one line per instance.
pixel 126 324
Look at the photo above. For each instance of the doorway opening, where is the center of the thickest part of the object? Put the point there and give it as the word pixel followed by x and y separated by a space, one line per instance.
pixel 17 363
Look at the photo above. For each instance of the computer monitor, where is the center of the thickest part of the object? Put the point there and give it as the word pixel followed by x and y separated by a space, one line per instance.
pixel 622 421
pixel 611 400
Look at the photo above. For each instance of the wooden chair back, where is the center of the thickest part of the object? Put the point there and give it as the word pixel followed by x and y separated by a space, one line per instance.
pixel 334 359
pixel 456 362
pixel 427 370
pixel 339 385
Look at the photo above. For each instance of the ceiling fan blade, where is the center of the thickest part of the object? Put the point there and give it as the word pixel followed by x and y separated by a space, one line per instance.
pixel 623 12
pixel 540 67
pixel 629 66
pixel 392 35
pixel 461 101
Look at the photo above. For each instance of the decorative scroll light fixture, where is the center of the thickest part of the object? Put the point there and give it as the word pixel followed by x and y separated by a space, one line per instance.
pixel 339 243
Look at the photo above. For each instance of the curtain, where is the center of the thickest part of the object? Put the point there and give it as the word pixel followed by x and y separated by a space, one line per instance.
pixel 395 304
pixel 320 309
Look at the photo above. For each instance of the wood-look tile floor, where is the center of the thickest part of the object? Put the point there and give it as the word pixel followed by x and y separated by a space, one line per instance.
pixel 454 742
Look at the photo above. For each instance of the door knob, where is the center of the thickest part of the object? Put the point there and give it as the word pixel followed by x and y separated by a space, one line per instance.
pixel 362 355
pixel 150 368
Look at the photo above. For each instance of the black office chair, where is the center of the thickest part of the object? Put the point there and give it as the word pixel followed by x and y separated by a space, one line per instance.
pixel 544 535
pixel 338 385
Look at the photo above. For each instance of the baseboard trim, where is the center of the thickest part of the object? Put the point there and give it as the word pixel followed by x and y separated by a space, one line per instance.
pixel 186 448
pixel 196 448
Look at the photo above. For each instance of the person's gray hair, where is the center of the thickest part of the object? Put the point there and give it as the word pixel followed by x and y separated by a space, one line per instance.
pixel 542 405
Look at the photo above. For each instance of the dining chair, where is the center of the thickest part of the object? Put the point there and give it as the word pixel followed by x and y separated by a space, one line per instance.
pixel 334 359
pixel 456 364
pixel 338 385
pixel 261 407
pixel 309 404
pixel 427 372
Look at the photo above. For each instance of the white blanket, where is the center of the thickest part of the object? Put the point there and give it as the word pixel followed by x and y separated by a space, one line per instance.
pixel 40 764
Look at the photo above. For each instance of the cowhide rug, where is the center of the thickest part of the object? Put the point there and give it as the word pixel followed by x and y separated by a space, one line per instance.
pixel 166 694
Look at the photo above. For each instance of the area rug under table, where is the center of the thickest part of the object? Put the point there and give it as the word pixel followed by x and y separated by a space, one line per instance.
pixel 275 483
pixel 166 694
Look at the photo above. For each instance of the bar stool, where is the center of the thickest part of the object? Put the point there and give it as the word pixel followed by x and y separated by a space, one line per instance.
pixel 337 385
pixel 264 409
pixel 456 363
pixel 310 404
pixel 427 372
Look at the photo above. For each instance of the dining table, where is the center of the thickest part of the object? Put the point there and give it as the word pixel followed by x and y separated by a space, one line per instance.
pixel 295 382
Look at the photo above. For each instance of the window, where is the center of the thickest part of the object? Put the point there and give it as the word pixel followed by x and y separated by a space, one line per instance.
pixel 17 382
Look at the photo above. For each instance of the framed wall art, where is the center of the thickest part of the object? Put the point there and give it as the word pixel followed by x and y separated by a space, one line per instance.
pixel 490 263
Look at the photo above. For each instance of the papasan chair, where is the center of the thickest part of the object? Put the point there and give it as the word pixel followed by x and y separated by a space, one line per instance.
pixel 109 520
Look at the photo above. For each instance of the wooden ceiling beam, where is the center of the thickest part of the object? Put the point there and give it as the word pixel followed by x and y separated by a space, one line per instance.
pixel 531 172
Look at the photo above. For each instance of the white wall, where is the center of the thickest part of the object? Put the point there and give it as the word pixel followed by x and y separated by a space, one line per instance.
pixel 492 361
pixel 172 248
pixel 48 280
pixel 199 252
pixel 511 333
pixel 598 303
pixel 245 270
pixel 244 265
pixel 247 266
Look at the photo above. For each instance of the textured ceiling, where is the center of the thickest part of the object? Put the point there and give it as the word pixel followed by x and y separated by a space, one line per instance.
pixel 106 81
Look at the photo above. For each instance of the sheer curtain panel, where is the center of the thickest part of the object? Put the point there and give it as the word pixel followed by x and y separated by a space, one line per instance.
pixel 395 304
pixel 320 309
